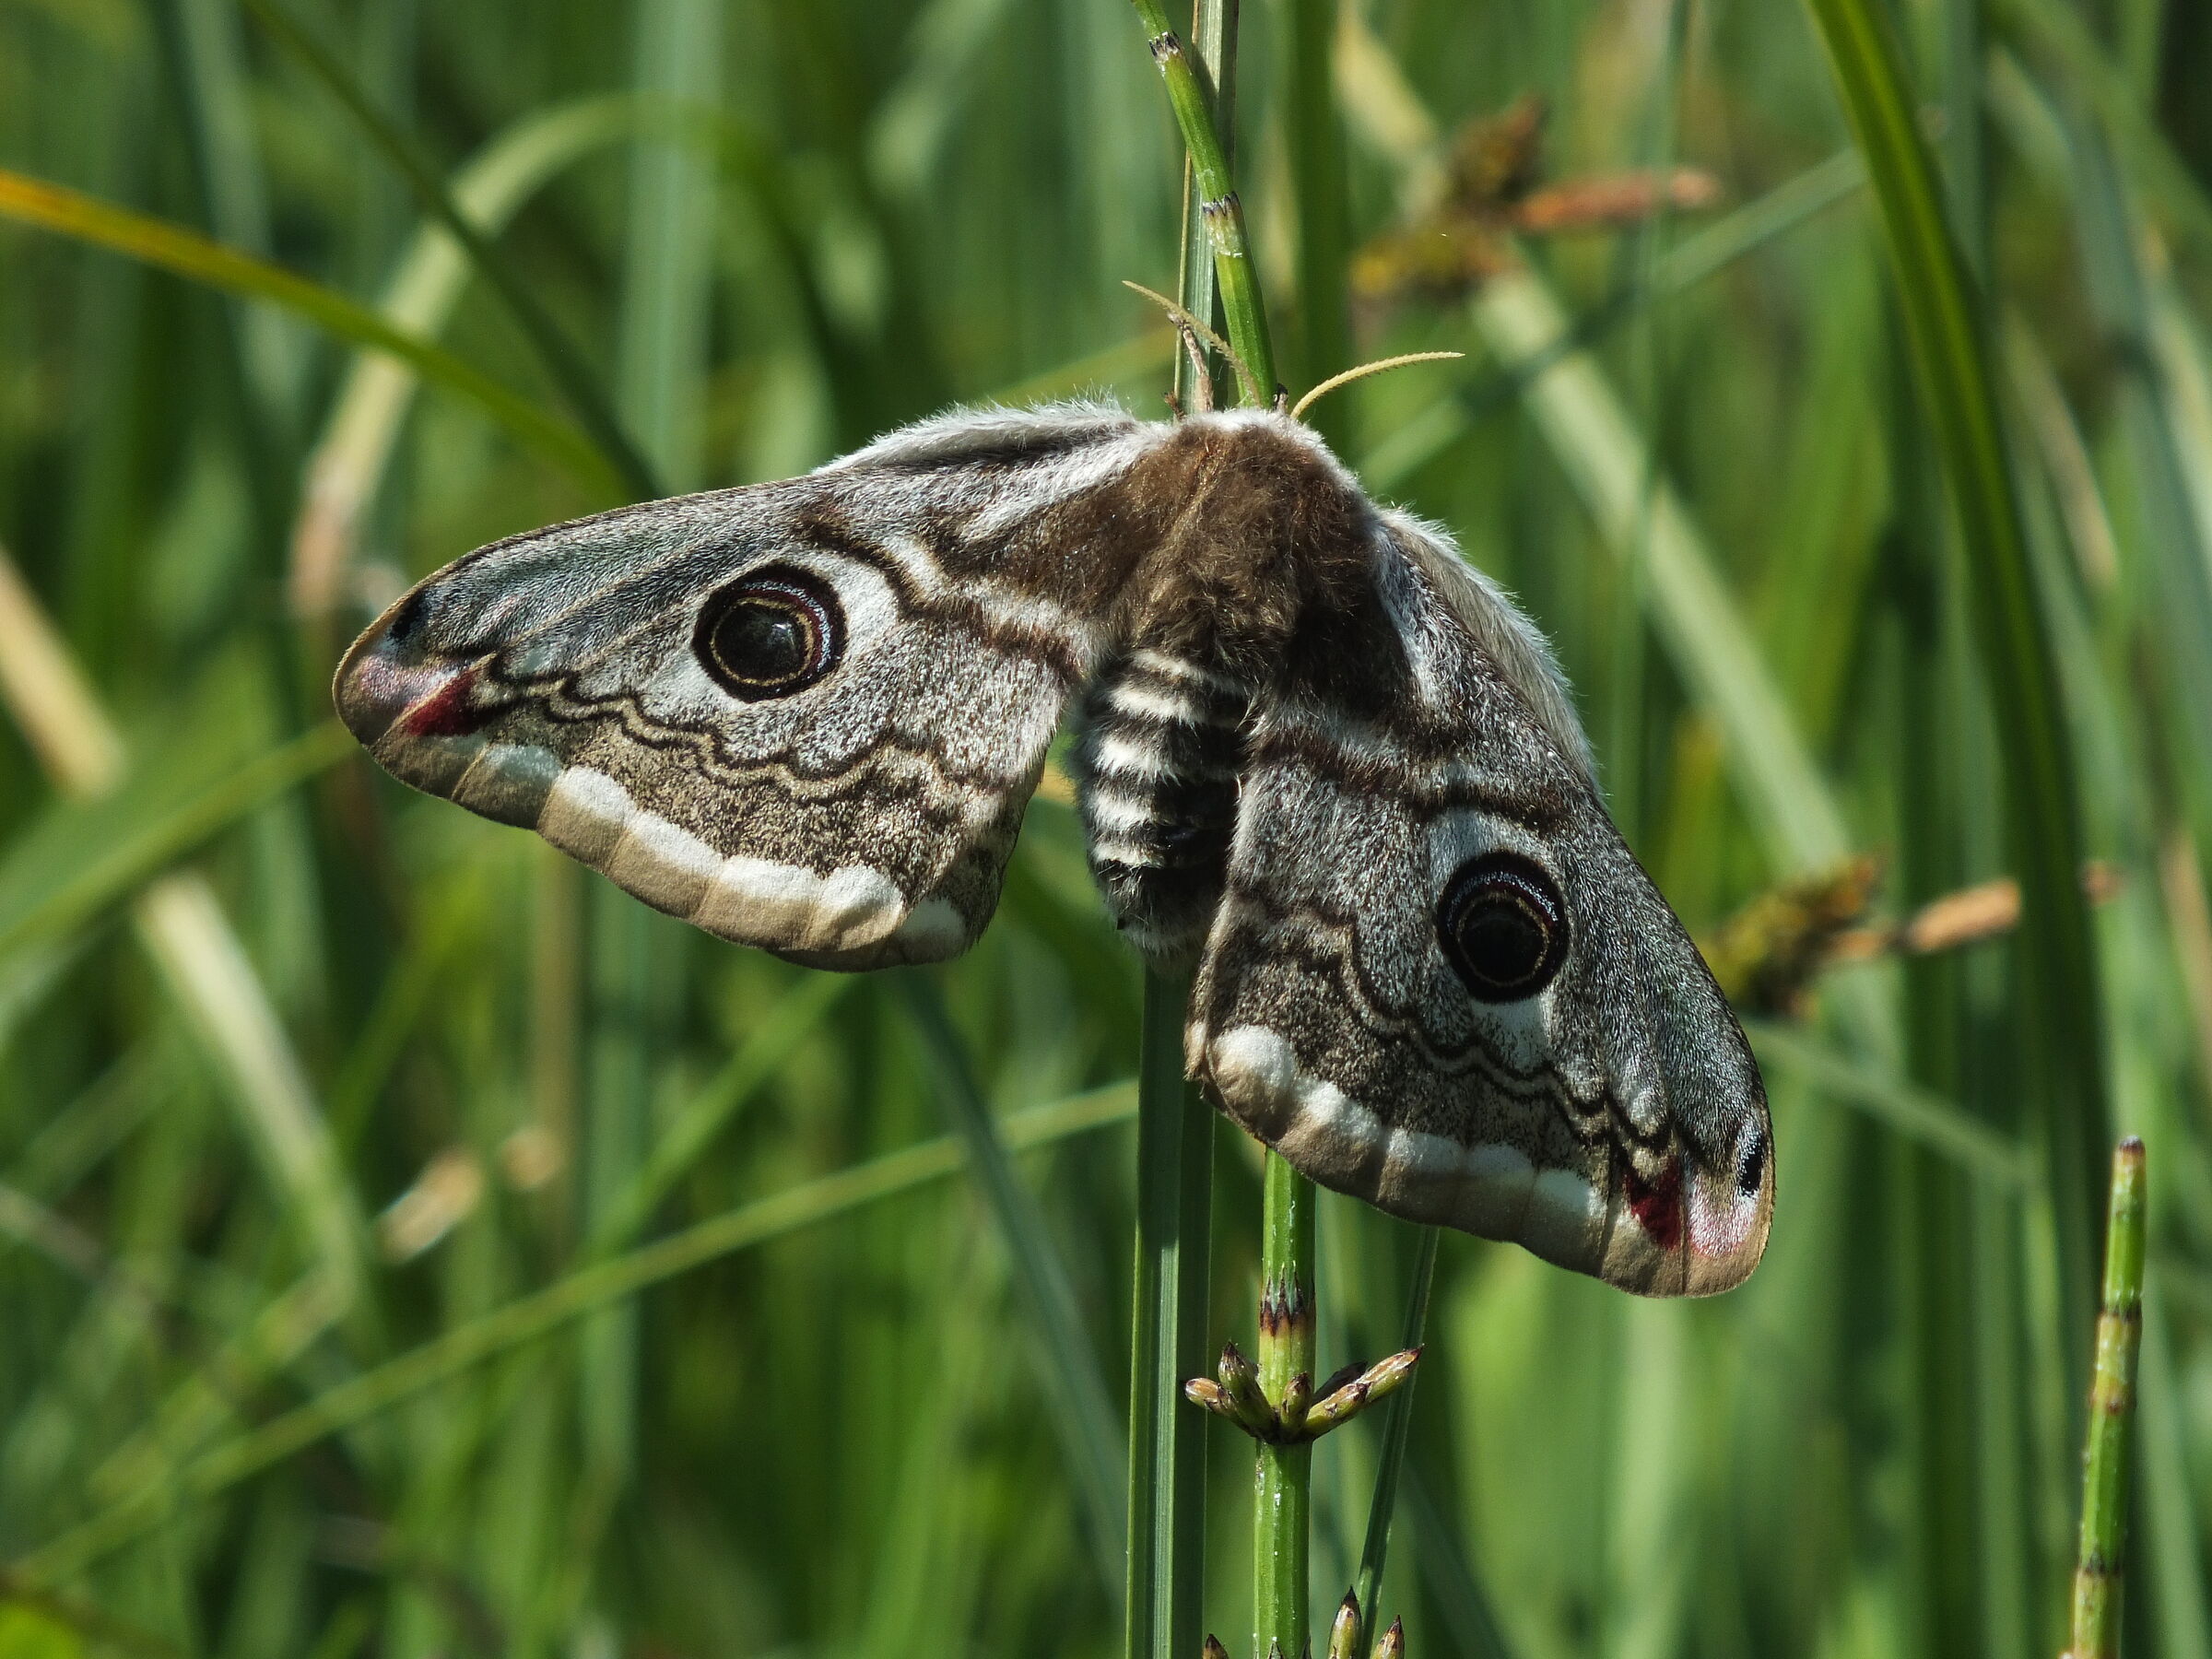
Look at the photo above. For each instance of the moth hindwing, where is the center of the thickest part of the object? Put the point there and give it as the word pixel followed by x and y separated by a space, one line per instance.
pixel 1318 758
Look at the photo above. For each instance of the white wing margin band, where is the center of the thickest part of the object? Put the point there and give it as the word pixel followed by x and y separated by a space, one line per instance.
pixel 851 916
pixel 1489 1189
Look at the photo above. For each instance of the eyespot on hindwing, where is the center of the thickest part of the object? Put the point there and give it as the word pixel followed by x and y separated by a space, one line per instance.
pixel 1502 926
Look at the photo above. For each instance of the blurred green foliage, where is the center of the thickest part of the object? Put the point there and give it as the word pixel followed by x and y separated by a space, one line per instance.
pixel 328 1114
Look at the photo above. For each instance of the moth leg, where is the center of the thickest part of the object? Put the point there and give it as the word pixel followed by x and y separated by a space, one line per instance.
pixel 1202 383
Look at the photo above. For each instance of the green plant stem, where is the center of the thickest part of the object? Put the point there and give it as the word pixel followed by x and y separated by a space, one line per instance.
pixel 1281 1521
pixel 1163 1605
pixel 2096 1578
pixel 1398 1424
pixel 1214 38
pixel 1315 144
pixel 1167 1443
pixel 1218 207
pixel 1164 1617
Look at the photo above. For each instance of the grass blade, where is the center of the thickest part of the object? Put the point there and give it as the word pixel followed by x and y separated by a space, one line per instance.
pixel 1918 1113
pixel 678 1145
pixel 1708 639
pixel 2171 1551
pixel 562 361
pixel 531 1317
pixel 2056 35
pixel 667 273
pixel 40 903
pixel 1069 1375
pixel 637 962
pixel 1313 137
pixel 1710 643
pixel 349 460
pixel 2058 998
pixel 1398 1424
pixel 1467 1607
pixel 173 248
pixel 182 927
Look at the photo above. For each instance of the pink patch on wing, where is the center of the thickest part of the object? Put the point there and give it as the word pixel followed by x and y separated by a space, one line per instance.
pixel 447 712
pixel 1658 1205
pixel 1721 1218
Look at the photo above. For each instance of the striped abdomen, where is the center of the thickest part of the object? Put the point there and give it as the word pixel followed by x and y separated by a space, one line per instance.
pixel 1158 746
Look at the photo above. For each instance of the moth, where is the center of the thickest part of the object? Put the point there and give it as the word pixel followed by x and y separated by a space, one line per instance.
pixel 1321 763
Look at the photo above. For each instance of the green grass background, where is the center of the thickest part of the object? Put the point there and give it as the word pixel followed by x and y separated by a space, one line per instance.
pixel 253 995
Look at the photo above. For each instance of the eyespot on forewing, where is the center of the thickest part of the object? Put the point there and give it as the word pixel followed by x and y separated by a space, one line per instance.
pixel 773 632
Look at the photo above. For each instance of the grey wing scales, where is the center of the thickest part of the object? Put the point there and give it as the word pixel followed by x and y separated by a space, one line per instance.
pixel 1613 1120
pixel 561 681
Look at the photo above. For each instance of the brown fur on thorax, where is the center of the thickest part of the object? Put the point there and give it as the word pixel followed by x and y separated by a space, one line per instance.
pixel 1236 535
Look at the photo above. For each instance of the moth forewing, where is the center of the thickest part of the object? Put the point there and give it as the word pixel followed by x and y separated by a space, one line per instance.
pixel 805 715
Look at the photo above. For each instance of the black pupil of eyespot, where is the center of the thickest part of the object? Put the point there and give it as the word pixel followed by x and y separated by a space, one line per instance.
pixel 770 635
pixel 1504 942
pixel 769 640
pixel 1502 926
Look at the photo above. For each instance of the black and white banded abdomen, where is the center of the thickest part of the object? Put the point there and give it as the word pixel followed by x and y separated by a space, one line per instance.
pixel 1158 747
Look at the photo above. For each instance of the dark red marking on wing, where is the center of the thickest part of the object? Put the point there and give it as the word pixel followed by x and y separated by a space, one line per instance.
pixel 447 711
pixel 1658 1205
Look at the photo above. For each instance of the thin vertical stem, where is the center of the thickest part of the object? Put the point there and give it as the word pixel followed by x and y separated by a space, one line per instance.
pixel 1166 1445
pixel 200 52
pixel 1222 213
pixel 1281 1523
pixel 1315 144
pixel 667 281
pixel 1288 1330
pixel 2096 1579
pixel 1167 1474
pixel 619 1046
pixel 556 999
pixel 1214 42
